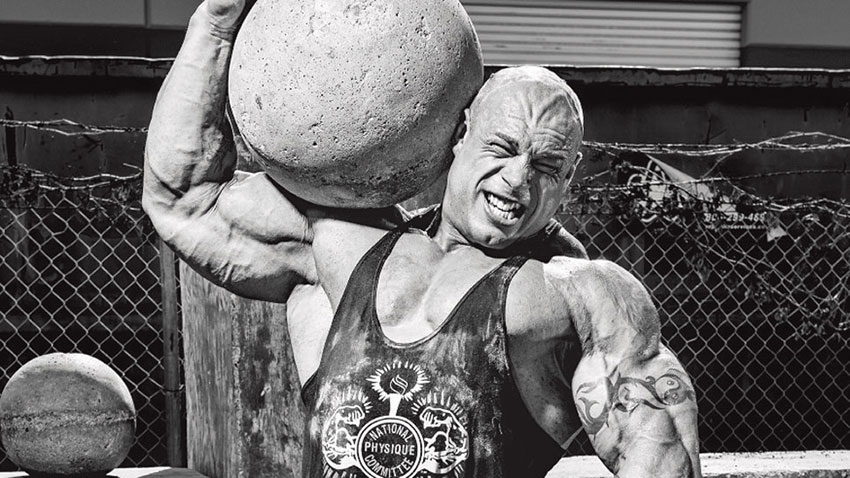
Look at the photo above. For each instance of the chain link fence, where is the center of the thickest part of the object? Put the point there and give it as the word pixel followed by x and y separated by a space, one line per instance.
pixel 754 295
pixel 79 272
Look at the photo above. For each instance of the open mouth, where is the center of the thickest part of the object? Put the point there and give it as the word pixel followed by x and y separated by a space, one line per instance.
pixel 505 209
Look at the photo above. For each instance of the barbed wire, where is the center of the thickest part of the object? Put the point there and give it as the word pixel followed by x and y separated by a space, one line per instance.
pixel 795 282
pixel 799 142
pixel 717 179
pixel 60 126
pixel 666 205
pixel 783 142
pixel 587 192
pixel 22 187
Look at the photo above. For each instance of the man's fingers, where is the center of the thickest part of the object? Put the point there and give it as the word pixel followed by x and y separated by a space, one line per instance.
pixel 247 8
pixel 226 15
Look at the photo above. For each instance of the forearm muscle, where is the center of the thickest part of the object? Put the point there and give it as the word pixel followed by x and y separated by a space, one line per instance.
pixel 640 415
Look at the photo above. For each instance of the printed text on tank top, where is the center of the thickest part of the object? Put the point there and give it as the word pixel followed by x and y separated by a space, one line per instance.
pixel 444 404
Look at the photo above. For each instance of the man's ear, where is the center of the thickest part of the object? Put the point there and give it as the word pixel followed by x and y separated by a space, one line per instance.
pixel 460 132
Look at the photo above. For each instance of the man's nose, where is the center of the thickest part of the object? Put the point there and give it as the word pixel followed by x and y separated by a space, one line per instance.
pixel 517 173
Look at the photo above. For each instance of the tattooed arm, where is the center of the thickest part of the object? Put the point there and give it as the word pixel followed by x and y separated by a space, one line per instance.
pixel 635 400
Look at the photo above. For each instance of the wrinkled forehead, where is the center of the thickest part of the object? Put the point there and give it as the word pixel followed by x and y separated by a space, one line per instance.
pixel 537 89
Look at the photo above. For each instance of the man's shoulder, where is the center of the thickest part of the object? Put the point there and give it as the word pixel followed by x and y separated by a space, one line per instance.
pixel 563 243
pixel 587 286
pixel 608 306
pixel 555 241
pixel 583 278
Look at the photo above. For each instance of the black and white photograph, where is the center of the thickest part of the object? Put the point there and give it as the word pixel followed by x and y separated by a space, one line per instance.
pixel 424 239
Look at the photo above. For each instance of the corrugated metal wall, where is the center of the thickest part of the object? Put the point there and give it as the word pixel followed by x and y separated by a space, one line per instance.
pixel 575 32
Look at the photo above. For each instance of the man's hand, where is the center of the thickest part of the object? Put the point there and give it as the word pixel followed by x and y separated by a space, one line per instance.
pixel 225 16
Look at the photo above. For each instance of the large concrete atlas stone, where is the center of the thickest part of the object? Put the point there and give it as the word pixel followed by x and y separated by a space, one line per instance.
pixel 353 103
pixel 66 414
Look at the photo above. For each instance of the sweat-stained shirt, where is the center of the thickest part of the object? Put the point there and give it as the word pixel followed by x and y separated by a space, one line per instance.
pixel 443 406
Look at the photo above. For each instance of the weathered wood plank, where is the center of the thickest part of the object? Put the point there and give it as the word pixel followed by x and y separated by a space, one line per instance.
pixel 174 439
pixel 208 361
pixel 243 405
pixel 268 401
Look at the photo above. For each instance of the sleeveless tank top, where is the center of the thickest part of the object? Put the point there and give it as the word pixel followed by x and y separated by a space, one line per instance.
pixel 443 406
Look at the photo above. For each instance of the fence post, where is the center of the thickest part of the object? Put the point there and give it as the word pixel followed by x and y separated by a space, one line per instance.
pixel 243 404
pixel 175 438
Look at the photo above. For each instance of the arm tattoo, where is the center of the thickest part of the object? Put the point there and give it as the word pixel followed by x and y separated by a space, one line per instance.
pixel 624 394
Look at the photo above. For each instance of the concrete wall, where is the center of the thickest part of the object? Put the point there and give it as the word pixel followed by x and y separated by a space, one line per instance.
pixel 782 33
pixel 796 23
pixel 156 13
pixel 632 105
pixel 795 33
pixel 152 28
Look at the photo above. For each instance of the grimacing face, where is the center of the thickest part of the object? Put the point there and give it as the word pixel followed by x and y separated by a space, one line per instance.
pixel 513 164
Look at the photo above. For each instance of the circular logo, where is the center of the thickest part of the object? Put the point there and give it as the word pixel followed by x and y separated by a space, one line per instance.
pixel 390 447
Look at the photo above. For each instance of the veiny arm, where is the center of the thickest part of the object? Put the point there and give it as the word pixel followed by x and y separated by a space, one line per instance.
pixel 635 400
pixel 238 230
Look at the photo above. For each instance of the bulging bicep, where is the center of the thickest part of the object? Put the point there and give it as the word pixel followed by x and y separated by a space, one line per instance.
pixel 251 204
pixel 609 308
pixel 252 240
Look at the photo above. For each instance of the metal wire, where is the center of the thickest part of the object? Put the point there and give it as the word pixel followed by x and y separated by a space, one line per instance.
pixel 68 127
pixel 753 292
pixel 79 272
pixel 754 298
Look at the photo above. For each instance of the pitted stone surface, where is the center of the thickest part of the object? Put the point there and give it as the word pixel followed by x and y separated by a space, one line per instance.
pixel 66 414
pixel 353 103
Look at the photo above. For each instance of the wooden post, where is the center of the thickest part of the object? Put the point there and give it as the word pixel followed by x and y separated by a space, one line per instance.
pixel 174 441
pixel 244 416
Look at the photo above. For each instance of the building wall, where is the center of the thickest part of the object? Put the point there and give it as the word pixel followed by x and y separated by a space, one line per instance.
pixel 150 28
pixel 795 33
pixel 623 105
pixel 138 13
pixel 783 33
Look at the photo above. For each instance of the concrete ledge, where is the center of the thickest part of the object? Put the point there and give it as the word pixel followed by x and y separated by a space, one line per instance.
pixel 807 464
pixel 153 472
pixel 623 76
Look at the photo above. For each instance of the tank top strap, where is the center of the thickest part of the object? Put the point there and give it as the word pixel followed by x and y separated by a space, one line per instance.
pixel 357 303
pixel 483 306
pixel 507 270
pixel 359 292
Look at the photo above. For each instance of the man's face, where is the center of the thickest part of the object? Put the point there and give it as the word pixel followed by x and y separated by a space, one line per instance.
pixel 513 165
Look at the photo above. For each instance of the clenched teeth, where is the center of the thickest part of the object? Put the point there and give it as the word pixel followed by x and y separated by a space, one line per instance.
pixel 505 208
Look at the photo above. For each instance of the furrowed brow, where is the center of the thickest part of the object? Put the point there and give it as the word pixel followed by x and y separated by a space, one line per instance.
pixel 553 155
pixel 509 140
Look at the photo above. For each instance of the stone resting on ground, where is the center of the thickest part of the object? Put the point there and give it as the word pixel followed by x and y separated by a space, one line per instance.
pixel 475 339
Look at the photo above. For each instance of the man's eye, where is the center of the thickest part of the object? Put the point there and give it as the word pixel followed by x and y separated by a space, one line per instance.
pixel 500 150
pixel 550 169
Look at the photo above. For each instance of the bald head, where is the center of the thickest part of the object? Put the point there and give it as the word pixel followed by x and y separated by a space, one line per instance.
pixel 539 82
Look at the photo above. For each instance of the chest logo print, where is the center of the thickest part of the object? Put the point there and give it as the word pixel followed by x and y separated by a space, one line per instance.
pixel 406 432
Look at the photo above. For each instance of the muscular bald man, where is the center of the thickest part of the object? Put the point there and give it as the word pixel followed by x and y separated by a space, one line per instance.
pixel 475 339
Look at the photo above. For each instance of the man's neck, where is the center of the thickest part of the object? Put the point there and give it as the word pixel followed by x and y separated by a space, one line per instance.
pixel 450 238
